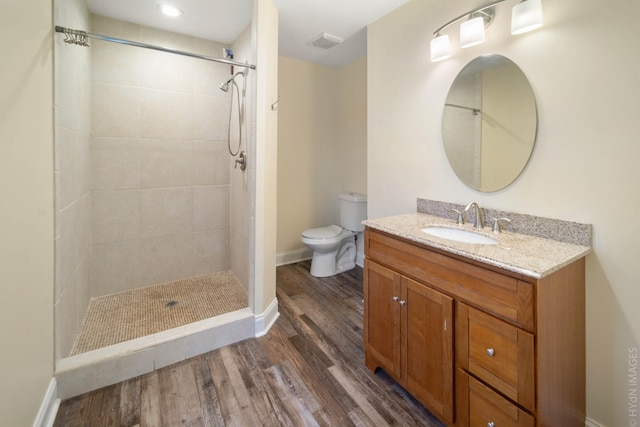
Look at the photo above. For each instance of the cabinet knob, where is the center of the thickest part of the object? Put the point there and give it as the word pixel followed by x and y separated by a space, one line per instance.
pixel 490 352
pixel 395 298
pixel 491 424
pixel 403 302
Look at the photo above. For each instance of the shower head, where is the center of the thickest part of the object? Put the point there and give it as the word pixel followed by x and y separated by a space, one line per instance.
pixel 225 86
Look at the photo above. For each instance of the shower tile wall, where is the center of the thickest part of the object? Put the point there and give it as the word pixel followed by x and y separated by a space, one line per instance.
pixel 72 176
pixel 243 183
pixel 160 166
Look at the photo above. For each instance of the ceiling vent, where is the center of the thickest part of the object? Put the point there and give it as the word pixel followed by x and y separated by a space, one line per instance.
pixel 325 41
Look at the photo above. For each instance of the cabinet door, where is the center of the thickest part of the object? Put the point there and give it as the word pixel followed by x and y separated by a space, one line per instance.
pixel 382 318
pixel 427 336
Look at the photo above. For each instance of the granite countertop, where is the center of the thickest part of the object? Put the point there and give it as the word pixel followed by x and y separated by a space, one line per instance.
pixel 531 256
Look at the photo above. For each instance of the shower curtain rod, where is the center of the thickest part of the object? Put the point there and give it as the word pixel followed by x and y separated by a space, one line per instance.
pixel 475 111
pixel 80 38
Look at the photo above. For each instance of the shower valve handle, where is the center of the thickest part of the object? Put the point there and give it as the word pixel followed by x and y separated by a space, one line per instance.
pixel 241 160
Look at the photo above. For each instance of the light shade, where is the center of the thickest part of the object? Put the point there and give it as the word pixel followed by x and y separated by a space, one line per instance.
pixel 440 48
pixel 526 16
pixel 472 32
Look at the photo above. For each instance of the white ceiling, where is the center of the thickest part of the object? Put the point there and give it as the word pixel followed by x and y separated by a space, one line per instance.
pixel 299 21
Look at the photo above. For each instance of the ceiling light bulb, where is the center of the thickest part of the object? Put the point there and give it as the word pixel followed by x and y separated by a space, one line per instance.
pixel 169 10
pixel 526 16
pixel 472 32
pixel 440 48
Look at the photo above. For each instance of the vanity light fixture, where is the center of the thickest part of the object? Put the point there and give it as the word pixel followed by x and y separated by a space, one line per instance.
pixel 440 48
pixel 472 32
pixel 170 10
pixel 525 16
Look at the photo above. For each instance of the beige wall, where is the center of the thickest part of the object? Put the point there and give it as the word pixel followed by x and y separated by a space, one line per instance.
pixel 321 144
pixel 308 162
pixel 583 66
pixel 26 219
pixel 160 166
pixel 352 125
pixel 265 42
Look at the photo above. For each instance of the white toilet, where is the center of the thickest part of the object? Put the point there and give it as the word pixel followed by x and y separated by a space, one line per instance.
pixel 334 247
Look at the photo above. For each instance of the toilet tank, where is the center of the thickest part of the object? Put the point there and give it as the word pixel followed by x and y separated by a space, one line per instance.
pixel 353 210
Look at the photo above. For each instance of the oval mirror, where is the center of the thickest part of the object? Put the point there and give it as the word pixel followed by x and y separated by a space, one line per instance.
pixel 489 123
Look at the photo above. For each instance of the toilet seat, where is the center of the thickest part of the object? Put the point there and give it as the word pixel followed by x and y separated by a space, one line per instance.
pixel 325 237
pixel 323 232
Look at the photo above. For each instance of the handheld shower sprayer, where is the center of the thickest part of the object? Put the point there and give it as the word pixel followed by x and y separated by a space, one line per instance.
pixel 240 103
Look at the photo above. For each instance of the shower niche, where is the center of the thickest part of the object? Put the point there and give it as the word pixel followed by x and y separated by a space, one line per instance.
pixel 152 218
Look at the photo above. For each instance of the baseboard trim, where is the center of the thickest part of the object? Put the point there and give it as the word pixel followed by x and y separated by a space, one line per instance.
pixel 265 320
pixel 290 257
pixel 49 408
pixel 588 422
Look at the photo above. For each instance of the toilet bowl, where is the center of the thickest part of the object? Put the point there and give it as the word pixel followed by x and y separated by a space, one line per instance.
pixel 334 247
pixel 334 250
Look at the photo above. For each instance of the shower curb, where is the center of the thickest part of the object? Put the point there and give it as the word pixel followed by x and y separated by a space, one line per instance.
pixel 90 371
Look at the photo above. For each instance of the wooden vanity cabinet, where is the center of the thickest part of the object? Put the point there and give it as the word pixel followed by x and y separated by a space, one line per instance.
pixel 515 355
pixel 409 333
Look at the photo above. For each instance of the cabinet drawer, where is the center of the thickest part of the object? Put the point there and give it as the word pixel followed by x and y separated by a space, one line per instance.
pixel 504 296
pixel 487 408
pixel 499 354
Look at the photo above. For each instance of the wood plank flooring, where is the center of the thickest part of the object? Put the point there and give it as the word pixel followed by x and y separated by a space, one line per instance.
pixel 307 371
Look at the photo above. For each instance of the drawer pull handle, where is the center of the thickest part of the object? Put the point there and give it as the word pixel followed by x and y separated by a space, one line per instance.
pixel 403 302
pixel 395 298
pixel 490 353
pixel 491 424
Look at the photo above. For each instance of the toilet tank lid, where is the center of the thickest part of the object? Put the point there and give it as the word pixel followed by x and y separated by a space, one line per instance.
pixel 354 197
pixel 323 232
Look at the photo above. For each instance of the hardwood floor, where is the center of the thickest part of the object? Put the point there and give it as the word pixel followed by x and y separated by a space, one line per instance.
pixel 307 371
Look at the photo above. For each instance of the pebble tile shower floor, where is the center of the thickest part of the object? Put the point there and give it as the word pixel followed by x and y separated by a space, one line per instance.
pixel 115 318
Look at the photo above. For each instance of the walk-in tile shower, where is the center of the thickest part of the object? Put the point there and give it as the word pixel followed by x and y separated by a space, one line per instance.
pixel 146 191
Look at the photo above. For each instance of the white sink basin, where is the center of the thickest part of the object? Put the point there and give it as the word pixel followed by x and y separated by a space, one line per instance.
pixel 460 235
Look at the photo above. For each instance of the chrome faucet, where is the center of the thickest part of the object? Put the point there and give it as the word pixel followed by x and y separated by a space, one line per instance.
pixel 479 223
